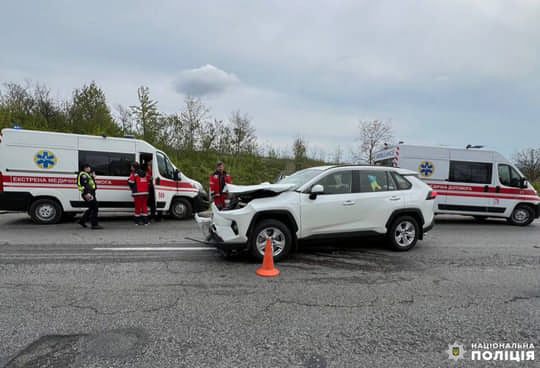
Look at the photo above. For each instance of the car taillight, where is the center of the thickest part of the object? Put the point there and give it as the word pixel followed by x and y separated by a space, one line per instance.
pixel 431 195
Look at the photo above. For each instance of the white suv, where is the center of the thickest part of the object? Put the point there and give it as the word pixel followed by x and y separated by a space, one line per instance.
pixel 318 202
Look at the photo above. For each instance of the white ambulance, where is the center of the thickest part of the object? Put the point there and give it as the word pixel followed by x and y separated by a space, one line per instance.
pixel 38 174
pixel 469 181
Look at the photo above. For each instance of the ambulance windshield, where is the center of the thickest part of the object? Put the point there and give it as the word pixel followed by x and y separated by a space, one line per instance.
pixel 165 166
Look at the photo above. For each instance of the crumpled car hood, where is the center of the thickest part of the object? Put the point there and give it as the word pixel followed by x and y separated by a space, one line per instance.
pixel 263 187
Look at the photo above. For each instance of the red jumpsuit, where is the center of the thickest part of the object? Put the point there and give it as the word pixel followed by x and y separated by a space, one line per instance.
pixel 138 182
pixel 217 183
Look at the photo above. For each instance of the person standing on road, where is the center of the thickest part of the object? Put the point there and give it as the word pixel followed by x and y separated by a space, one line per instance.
pixel 218 180
pixel 138 182
pixel 87 186
pixel 147 166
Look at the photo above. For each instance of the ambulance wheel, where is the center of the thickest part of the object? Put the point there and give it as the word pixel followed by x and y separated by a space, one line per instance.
pixel 181 209
pixel 45 211
pixel 403 233
pixel 521 216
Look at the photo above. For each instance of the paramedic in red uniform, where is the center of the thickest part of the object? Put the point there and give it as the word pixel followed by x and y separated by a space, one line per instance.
pixel 138 182
pixel 218 180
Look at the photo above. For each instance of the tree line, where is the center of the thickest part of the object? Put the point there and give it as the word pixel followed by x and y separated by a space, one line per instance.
pixel 192 138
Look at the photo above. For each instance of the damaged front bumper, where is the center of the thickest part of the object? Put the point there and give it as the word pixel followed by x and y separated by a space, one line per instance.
pixel 221 232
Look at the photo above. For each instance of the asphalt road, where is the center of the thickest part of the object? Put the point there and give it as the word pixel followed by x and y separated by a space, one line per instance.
pixel 67 299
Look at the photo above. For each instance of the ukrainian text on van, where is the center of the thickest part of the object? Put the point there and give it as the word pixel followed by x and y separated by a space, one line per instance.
pixel 38 174
pixel 469 181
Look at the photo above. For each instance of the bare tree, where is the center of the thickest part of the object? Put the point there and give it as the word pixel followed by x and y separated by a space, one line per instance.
pixel 146 115
pixel 316 153
pixel 124 118
pixel 299 149
pixel 243 133
pixel 528 162
pixel 192 118
pixel 337 156
pixel 373 135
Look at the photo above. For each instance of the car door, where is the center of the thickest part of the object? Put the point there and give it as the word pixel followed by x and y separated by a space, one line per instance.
pixel 378 198
pixel 334 210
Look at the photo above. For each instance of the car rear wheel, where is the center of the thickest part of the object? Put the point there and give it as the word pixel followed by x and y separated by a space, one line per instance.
pixel 403 233
pixel 45 211
pixel 181 209
pixel 521 216
pixel 278 232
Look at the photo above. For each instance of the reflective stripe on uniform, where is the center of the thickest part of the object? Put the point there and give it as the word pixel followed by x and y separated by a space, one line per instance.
pixel 90 181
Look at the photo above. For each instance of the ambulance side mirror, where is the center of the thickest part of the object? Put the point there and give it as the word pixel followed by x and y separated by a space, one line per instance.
pixel 177 176
pixel 523 183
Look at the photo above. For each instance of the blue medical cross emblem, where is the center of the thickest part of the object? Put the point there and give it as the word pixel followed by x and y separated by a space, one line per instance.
pixel 426 168
pixel 45 159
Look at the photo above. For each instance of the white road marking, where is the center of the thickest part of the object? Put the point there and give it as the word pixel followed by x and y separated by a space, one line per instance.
pixel 146 249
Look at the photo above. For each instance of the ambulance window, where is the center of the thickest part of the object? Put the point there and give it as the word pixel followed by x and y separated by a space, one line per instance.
pixel 99 161
pixel 509 176
pixel 107 163
pixel 470 172
pixel 120 163
pixel 164 166
pixel 402 183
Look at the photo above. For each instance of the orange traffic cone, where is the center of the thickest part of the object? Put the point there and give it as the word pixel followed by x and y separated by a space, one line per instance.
pixel 267 269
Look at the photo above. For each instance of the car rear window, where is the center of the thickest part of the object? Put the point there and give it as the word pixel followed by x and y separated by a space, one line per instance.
pixel 402 183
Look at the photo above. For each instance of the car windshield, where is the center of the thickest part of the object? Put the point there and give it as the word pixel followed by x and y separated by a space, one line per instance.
pixel 300 178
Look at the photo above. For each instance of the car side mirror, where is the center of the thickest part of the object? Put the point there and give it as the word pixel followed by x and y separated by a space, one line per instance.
pixel 316 190
pixel 523 183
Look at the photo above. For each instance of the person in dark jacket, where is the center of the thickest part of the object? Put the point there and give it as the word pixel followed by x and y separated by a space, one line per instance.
pixel 218 180
pixel 87 187
pixel 147 166
pixel 138 183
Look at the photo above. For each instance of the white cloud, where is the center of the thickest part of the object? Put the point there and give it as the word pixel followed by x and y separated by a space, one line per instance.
pixel 442 70
pixel 206 80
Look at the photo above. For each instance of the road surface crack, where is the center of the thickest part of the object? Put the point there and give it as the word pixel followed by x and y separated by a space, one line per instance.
pixel 97 311
pixel 318 305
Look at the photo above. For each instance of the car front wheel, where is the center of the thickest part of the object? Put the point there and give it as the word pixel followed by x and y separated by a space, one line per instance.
pixel 403 233
pixel 278 232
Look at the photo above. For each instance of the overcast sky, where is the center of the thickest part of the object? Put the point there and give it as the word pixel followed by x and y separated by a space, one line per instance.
pixel 447 72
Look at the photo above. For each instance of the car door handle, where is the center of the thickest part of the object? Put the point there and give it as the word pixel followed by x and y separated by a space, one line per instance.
pixel 348 203
pixel 395 198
